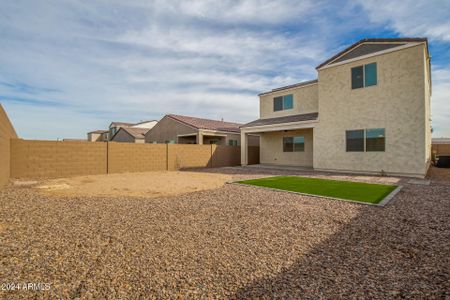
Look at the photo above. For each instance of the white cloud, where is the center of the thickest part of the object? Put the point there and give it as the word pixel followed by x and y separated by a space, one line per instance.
pixel 132 60
pixel 412 17
pixel 440 103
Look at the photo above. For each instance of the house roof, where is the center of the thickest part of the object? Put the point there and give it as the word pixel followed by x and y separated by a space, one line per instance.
pixel 121 124
pixel 440 141
pixel 207 124
pixel 303 83
pixel 99 131
pixel 369 46
pixel 142 122
pixel 282 120
pixel 137 133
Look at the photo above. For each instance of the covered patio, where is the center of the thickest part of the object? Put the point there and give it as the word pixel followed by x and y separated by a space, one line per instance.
pixel 284 141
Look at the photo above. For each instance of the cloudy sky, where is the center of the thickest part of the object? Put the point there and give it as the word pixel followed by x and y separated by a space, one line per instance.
pixel 68 67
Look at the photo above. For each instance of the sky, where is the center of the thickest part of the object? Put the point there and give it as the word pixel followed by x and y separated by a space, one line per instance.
pixel 69 67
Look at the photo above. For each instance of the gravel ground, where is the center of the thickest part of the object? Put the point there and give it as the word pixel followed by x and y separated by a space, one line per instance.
pixel 230 242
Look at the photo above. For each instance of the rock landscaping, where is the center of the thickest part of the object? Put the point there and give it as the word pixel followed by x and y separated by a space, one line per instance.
pixel 235 242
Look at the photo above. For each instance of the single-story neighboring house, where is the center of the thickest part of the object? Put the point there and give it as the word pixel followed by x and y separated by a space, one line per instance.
pixel 130 135
pixel 179 129
pixel 115 126
pixel 98 136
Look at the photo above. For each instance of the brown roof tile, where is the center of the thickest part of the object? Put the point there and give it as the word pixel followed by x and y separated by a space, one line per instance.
pixel 138 133
pixel 207 124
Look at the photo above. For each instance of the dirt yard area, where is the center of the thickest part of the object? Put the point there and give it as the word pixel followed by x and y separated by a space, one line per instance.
pixel 146 184
pixel 235 242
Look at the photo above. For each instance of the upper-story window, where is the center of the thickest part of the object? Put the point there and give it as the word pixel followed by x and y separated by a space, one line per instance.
pixel 364 76
pixel 283 102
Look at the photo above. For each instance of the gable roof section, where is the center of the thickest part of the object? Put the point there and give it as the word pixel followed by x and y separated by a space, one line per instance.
pixel 137 133
pixel 370 46
pixel 282 120
pixel 99 131
pixel 143 122
pixel 200 123
pixel 300 84
pixel 121 124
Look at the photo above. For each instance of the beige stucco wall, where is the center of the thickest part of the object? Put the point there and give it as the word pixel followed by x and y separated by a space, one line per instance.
pixel 397 103
pixel 271 150
pixel 6 133
pixel 427 92
pixel 93 137
pixel 167 129
pixel 306 99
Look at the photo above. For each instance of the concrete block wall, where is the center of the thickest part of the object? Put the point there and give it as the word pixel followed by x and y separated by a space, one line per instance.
pixel 128 157
pixel 224 156
pixel 188 156
pixel 6 133
pixel 52 159
pixel 441 149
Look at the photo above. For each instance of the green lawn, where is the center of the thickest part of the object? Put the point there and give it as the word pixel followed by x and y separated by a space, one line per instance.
pixel 357 191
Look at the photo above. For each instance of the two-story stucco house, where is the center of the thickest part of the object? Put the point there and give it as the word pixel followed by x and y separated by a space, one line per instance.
pixel 368 112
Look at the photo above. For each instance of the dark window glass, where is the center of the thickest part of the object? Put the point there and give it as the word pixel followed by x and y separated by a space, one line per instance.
pixel 357 77
pixel 370 74
pixel 288 144
pixel 375 139
pixel 288 102
pixel 277 103
pixel 299 144
pixel 354 140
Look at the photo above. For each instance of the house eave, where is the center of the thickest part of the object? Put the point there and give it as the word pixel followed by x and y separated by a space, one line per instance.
pixel 281 126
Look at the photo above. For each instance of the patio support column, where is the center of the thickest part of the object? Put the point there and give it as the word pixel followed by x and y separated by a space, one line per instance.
pixel 200 138
pixel 244 148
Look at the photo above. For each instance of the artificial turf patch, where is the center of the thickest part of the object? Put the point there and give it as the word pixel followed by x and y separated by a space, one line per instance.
pixel 356 191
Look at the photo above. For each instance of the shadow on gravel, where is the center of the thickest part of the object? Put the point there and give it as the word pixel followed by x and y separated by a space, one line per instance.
pixel 398 251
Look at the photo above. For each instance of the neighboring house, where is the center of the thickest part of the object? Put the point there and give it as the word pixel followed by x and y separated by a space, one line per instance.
pixel 145 124
pixel 98 136
pixel 115 126
pixel 130 135
pixel 190 130
pixel 368 112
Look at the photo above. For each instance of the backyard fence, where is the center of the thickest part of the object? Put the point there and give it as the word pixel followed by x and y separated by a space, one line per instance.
pixel 51 159
pixel 6 133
